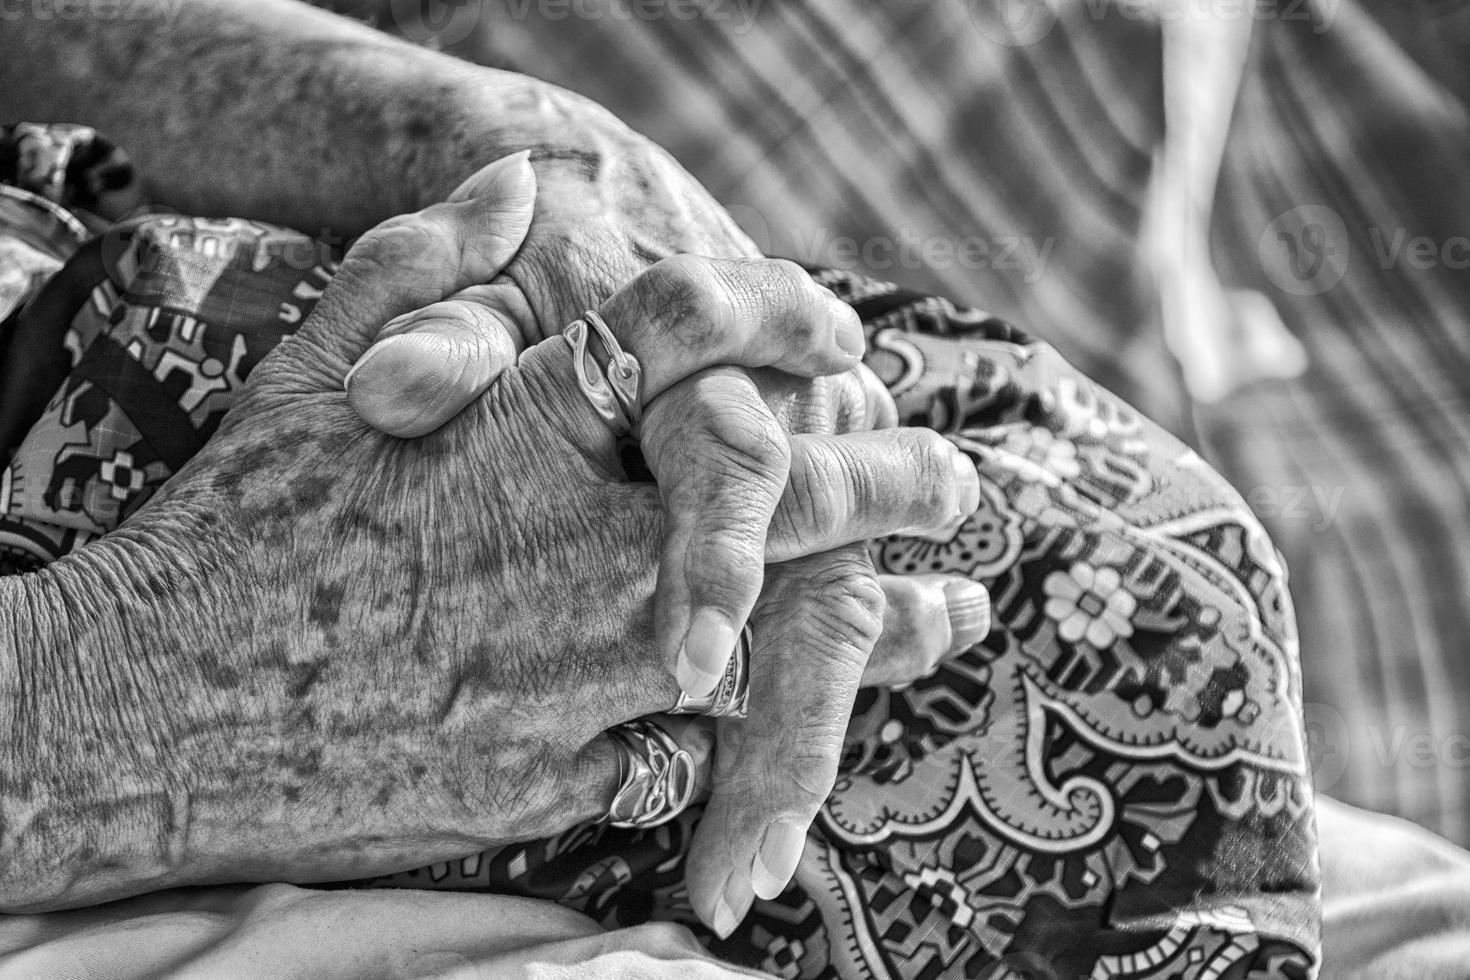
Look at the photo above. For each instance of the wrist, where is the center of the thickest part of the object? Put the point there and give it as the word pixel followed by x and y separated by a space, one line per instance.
pixel 89 790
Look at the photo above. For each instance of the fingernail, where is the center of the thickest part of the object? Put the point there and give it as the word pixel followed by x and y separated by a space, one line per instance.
pixel 777 858
pixel 707 648
pixel 370 354
pixel 516 167
pixel 849 333
pixel 731 906
pixel 967 480
pixel 969 613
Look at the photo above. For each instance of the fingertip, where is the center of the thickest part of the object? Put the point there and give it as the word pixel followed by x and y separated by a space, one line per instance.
pixel 408 385
pixel 847 330
pixel 916 636
pixel 968 605
pixel 499 202
pixel 732 906
pixel 967 483
pixel 511 180
pixel 835 342
pixel 776 860
pixel 706 652
pixel 514 196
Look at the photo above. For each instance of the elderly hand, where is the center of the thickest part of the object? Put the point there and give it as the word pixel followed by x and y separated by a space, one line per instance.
pixel 718 447
pixel 322 652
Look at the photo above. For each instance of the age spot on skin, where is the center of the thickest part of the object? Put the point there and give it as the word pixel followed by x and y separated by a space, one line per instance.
pixel 220 675
pixel 311 491
pixel 304 677
pixel 326 604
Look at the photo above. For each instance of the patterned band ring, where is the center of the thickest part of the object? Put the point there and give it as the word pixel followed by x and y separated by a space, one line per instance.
pixel 728 699
pixel 655 776
pixel 610 377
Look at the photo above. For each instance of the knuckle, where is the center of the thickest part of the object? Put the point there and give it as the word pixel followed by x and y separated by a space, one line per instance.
pixel 763 290
pixel 802 299
pixel 520 793
pixel 682 273
pixel 795 281
pixel 751 439
pixel 683 293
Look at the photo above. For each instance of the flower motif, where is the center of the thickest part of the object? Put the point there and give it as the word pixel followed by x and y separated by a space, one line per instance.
pixel 125 476
pixel 1090 603
pixel 1038 454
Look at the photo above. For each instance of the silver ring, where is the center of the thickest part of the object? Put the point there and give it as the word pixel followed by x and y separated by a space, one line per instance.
pixel 655 776
pixel 614 386
pixel 728 699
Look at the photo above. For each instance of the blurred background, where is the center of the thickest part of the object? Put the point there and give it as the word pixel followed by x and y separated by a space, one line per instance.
pixel 1249 219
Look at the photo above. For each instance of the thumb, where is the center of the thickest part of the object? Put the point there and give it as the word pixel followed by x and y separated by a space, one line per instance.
pixel 427 365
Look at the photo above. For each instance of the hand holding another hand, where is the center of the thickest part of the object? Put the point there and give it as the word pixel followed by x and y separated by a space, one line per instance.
pixel 332 653
pixel 719 447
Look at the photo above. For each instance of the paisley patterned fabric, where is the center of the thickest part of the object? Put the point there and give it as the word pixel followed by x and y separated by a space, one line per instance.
pixel 1113 784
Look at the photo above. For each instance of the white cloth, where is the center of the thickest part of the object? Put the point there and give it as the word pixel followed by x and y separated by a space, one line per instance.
pixel 275 932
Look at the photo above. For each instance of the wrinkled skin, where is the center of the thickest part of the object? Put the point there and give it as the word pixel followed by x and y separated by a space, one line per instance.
pixel 323 652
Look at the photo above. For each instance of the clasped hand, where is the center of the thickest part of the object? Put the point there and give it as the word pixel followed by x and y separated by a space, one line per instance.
pixel 396 651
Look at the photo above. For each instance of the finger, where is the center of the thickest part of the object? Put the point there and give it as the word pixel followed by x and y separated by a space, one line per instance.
pixel 927 619
pixel 720 457
pixel 414 260
pixel 595 772
pixel 812 635
pixel 849 488
pixel 429 364
pixel 832 404
pixel 721 461
pixel 687 313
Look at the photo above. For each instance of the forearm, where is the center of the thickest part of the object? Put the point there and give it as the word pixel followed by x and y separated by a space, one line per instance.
pixel 150 742
pixel 84 794
pixel 272 110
